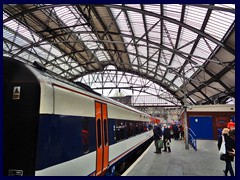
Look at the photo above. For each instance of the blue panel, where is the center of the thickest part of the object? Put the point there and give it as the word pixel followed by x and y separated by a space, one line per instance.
pixel 202 127
pixel 61 138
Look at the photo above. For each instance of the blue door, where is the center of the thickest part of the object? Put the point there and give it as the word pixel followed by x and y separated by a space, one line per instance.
pixel 202 127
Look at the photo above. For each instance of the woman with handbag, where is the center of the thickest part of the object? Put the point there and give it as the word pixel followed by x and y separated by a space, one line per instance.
pixel 166 139
pixel 229 145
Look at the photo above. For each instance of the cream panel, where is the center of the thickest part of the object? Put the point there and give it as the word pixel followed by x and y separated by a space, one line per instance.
pixel 72 103
pixel 81 166
pixel 212 108
pixel 46 99
pixel 119 148
pixel 122 113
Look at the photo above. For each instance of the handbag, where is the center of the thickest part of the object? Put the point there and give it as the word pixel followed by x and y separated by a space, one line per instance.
pixel 223 147
pixel 168 144
pixel 222 151
pixel 160 143
pixel 223 157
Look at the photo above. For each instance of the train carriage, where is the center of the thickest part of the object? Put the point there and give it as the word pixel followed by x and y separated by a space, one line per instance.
pixel 53 127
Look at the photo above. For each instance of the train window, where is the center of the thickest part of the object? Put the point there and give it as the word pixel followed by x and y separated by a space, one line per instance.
pixel 145 127
pixel 130 129
pixel 99 133
pixel 120 130
pixel 137 128
pixel 85 136
pixel 140 127
pixel 105 132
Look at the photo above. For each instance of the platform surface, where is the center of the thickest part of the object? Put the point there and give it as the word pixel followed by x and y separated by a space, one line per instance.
pixel 180 162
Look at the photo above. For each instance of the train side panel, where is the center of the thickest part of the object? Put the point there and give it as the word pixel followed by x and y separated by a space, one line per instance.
pixel 64 154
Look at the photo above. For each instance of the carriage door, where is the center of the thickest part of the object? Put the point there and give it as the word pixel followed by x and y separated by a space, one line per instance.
pixel 101 138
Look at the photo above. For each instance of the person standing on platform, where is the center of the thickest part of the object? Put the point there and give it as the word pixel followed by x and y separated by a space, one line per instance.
pixel 232 135
pixel 181 132
pixel 157 135
pixel 175 131
pixel 166 139
pixel 229 144
pixel 231 125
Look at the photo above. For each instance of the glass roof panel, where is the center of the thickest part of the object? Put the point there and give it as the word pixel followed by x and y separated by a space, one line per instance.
pixel 121 21
pixel 137 24
pixel 62 65
pixel 68 15
pixel 173 11
pixel 169 76
pixel 177 61
pixel 165 56
pixel 142 50
pixel 50 48
pixel 132 58
pixel 40 52
pixel 194 16
pixel 186 37
pixel 202 50
pixel 154 34
pixel 178 82
pixel 155 8
pixel 8 35
pixel 154 53
pixel 5 16
pixel 136 6
pixel 143 61
pixel 216 19
pixel 101 56
pixel 55 51
pixel 170 34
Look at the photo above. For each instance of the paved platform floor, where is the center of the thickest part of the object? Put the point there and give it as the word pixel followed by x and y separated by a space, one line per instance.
pixel 180 162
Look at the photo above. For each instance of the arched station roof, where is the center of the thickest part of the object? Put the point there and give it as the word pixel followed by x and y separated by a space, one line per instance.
pixel 166 50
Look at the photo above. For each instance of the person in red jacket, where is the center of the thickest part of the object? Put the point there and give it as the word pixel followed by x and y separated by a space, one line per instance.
pixel 231 125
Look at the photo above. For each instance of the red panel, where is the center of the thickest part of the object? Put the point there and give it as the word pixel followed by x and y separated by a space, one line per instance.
pixel 99 149
pixel 105 137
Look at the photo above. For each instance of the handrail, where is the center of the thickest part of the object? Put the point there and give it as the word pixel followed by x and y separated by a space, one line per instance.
pixel 192 139
pixel 192 132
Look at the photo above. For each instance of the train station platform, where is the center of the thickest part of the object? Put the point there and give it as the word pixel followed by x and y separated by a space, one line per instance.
pixel 180 162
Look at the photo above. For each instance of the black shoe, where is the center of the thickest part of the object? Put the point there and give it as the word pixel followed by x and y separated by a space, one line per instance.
pixel 165 150
pixel 224 171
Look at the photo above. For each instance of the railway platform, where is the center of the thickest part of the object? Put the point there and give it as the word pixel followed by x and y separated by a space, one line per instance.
pixel 180 162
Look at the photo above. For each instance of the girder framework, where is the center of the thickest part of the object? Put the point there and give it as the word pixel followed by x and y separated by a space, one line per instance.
pixel 130 46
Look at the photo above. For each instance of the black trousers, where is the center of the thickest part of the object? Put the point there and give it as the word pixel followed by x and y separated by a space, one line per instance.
pixel 229 168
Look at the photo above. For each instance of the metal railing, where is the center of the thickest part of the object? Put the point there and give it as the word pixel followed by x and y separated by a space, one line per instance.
pixel 192 139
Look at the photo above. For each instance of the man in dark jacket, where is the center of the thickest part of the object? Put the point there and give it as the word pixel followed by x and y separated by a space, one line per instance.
pixel 157 135
pixel 166 139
